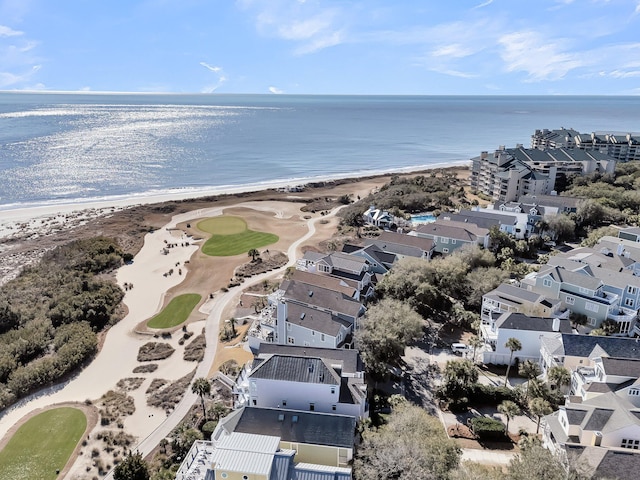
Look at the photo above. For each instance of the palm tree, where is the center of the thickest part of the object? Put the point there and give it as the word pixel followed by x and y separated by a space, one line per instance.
pixel 514 345
pixel 475 342
pixel 253 253
pixel 559 376
pixel 509 409
pixel 232 323
pixel 539 407
pixel 202 387
pixel 529 370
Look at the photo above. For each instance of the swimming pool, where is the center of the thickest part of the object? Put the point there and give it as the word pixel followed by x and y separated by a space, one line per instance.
pixel 423 218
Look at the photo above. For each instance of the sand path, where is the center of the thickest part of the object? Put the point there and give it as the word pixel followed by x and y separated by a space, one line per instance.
pixel 117 358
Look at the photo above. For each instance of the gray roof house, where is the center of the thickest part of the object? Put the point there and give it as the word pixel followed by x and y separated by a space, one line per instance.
pixel 510 298
pixel 608 421
pixel 528 330
pixel 297 378
pixel 449 235
pixel 271 444
pixel 402 245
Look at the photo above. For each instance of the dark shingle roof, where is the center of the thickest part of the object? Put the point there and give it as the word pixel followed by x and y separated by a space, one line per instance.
pixel 322 297
pixel 624 367
pixel 520 321
pixel 582 345
pixel 295 369
pixel 310 428
pixel 349 359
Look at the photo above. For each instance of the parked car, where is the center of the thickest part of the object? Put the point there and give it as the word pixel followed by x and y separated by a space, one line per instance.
pixel 460 348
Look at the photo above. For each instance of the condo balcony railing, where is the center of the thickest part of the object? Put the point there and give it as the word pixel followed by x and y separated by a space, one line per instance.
pixel 623 314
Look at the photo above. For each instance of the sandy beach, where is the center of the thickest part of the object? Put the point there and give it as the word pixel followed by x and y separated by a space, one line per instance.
pixel 41 228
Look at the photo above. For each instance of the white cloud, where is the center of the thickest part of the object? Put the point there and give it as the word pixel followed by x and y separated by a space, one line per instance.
pixel 210 67
pixel 483 4
pixel 9 32
pixel 453 73
pixel 540 58
pixel 310 25
pixel 637 10
pixel 276 90
pixel 8 79
pixel 455 50
pixel 221 78
pixel 624 74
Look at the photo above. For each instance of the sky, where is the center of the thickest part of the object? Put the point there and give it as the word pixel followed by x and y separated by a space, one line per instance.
pixel 412 47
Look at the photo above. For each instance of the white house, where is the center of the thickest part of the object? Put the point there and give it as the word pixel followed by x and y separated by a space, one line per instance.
pixel 304 378
pixel 528 330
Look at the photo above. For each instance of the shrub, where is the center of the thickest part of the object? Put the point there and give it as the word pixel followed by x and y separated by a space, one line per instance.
pixel 489 395
pixel 487 428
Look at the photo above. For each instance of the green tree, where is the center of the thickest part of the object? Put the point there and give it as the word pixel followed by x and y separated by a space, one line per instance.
pixel 596 234
pixel 529 370
pixel 384 332
pixel 561 227
pixel 539 407
pixel 509 409
pixel 457 378
pixel 201 387
pixel 559 376
pixel 253 253
pixel 398 448
pixel 514 345
pixel 537 463
pixel 132 467
pixel 475 342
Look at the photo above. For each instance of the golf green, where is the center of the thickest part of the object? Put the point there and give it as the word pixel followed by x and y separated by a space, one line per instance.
pixel 43 445
pixel 231 236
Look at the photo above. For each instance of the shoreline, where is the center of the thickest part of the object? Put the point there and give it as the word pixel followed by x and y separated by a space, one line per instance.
pixel 15 212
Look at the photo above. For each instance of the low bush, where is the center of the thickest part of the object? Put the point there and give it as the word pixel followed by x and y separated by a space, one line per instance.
pixel 487 428
pixel 479 394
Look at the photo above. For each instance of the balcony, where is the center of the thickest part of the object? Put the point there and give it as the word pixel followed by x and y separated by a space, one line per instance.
pixel 623 314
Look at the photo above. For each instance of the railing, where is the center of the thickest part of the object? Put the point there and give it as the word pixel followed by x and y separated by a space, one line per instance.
pixel 623 315
pixel 197 461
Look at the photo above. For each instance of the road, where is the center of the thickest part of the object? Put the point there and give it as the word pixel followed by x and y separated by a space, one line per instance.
pixel 212 327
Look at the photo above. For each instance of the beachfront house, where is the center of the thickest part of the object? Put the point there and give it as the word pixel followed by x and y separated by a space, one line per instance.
pixel 378 217
pixel 449 236
pixel 606 421
pixel 352 269
pixel 528 330
pixel 597 293
pixel 402 245
pixel 572 351
pixel 511 298
pixel 511 223
pixel 304 378
pixel 603 374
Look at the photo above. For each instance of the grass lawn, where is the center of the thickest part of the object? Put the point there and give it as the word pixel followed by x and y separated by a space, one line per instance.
pixel 176 312
pixel 42 445
pixel 230 236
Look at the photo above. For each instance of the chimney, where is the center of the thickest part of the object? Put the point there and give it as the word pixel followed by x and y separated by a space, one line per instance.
pixel 556 325
pixel 597 439
pixel 619 249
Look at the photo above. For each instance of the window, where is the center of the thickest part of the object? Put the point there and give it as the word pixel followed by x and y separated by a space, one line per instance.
pixel 570 300
pixel 224 475
pixel 628 302
pixel 288 326
pixel 630 443
pixel 291 340
pixel 255 402
pixel 333 407
pixel 585 290
pixel 634 392
pixel 591 321
pixel 592 307
pixel 445 250
pixel 632 290
pixel 453 241
pixel 444 240
pixel 284 403
pixel 546 282
pixel 322 337
pixel 312 407
pixel 245 477
pixel 333 390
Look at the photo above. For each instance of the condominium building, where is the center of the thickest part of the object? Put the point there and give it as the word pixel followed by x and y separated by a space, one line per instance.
pixel 507 174
pixel 621 146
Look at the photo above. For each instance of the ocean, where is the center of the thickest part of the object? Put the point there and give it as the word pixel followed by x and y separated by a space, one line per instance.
pixel 66 148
